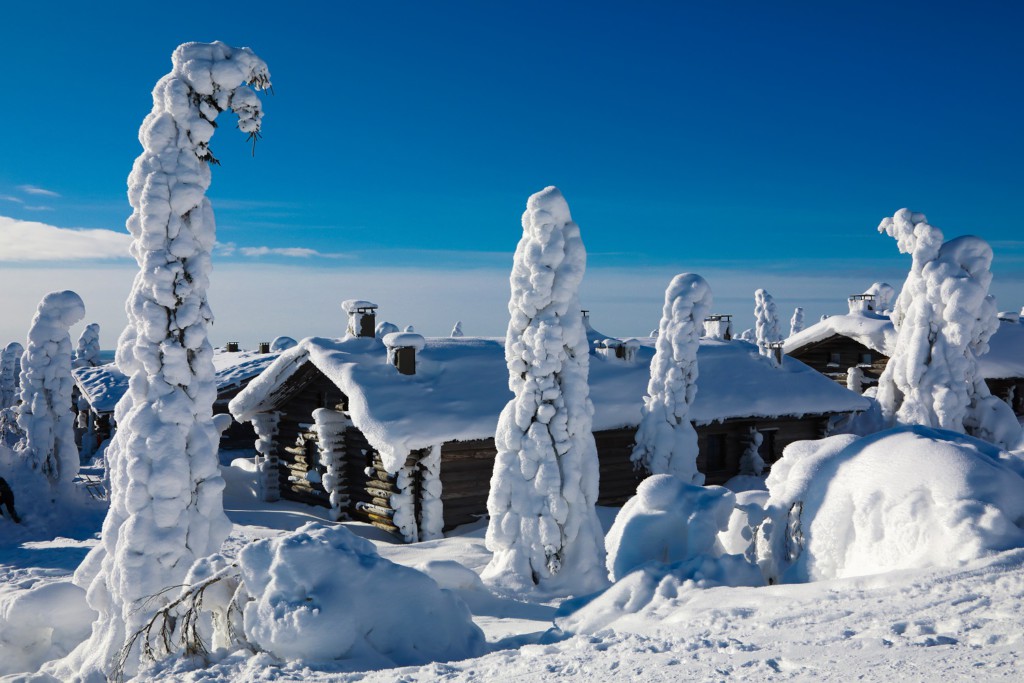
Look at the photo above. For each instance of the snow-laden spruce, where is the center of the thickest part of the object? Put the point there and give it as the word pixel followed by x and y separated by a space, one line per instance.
pixel 45 414
pixel 165 485
pixel 766 323
pixel 87 355
pixel 10 369
pixel 666 442
pixel 543 528
pixel 457 329
pixel 944 318
pixel 796 323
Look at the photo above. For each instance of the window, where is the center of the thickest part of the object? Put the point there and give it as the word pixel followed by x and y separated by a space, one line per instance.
pixel 833 358
pixel 865 358
pixel 767 450
pixel 714 453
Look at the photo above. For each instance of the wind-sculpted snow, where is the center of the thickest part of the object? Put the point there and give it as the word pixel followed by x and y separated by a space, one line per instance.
pixel 906 498
pixel 45 414
pixel 88 352
pixel 543 529
pixel 165 485
pixel 666 442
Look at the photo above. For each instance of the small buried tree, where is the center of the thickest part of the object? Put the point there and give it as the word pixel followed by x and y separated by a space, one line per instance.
pixel 88 352
pixel 944 318
pixel 666 442
pixel 543 528
pixel 44 415
pixel 166 506
pixel 796 323
pixel 766 323
pixel 10 370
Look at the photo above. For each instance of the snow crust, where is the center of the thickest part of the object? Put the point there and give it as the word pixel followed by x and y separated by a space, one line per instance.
pixel 905 498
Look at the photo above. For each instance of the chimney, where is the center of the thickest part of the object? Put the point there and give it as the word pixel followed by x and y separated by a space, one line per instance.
pixel 718 326
pixel 264 347
pixel 402 349
pixel 232 347
pixel 362 317
pixel 860 303
pixel 776 348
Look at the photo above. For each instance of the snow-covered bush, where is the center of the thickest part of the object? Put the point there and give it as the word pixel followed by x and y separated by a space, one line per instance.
pixel 322 593
pixel 902 498
pixel 457 329
pixel 796 323
pixel 944 318
pixel 766 323
pixel 543 527
pixel 10 370
pixel 165 485
pixel 282 343
pixel 666 442
pixel 45 414
pixel 88 352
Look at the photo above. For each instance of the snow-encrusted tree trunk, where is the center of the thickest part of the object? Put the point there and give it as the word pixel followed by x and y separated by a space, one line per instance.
pixel 431 505
pixel 944 317
pixel 166 505
pixel 10 370
pixel 44 415
pixel 87 354
pixel 666 442
pixel 796 323
pixel 543 528
pixel 330 426
pixel 766 323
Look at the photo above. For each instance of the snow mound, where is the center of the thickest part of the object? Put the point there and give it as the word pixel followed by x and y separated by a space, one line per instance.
pixel 322 593
pixel 41 624
pixel 668 521
pixel 910 497
pixel 283 343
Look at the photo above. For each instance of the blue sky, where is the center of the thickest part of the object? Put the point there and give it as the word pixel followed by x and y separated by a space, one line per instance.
pixel 754 140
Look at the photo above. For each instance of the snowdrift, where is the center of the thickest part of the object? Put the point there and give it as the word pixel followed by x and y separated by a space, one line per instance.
pixel 910 497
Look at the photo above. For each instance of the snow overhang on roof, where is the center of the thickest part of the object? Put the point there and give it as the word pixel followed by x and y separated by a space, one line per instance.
pixel 461 387
pixel 873 330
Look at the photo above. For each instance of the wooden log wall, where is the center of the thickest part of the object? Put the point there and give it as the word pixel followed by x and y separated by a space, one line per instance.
pixel 819 356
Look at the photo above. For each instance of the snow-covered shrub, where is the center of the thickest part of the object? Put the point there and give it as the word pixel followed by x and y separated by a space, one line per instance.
pixel 543 527
pixel 10 370
pixel 796 323
pixel 88 352
pixel 322 593
pixel 166 506
pixel 944 318
pixel 282 343
pixel 666 442
pixel 751 462
pixel 457 329
pixel 766 323
pixel 903 498
pixel 45 414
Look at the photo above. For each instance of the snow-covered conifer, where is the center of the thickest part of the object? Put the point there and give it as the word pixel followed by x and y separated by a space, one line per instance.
pixel 457 330
pixel 796 323
pixel 166 506
pixel 543 527
pixel 45 414
pixel 944 318
pixel 855 379
pixel 666 442
pixel 766 323
pixel 751 462
pixel 10 370
pixel 88 352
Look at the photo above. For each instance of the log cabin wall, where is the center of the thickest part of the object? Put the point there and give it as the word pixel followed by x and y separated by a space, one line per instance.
pixel 832 357
pixel 1010 390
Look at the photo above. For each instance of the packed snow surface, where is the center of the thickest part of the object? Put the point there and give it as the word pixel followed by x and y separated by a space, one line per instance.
pixel 910 497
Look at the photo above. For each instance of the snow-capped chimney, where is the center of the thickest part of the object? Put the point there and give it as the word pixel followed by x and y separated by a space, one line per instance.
pixel 718 326
pixel 232 347
pixel 362 317
pixel 264 347
pixel 860 303
pixel 402 349
pixel 776 349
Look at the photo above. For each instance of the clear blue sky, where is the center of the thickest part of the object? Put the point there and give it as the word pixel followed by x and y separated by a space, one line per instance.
pixel 747 135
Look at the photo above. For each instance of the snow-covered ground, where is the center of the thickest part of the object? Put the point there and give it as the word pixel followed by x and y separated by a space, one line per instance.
pixel 949 623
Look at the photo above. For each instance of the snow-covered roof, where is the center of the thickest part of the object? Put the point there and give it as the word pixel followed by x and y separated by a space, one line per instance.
pixel 104 385
pixel 873 330
pixel 1005 357
pixel 461 386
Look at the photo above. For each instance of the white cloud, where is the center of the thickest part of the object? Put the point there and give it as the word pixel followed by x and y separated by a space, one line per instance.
pixel 33 241
pixel 9 198
pixel 40 191
pixel 297 252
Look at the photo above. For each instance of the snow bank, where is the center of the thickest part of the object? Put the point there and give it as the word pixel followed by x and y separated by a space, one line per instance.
pixel 903 498
pixel 43 623
pixel 322 593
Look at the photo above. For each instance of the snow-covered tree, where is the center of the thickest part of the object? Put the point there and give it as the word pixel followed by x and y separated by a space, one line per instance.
pixel 855 379
pixel 88 352
pixel 166 506
pixel 796 323
pixel 666 442
pixel 944 317
pixel 543 528
pixel 44 415
pixel 766 323
pixel 751 462
pixel 10 369
pixel 457 330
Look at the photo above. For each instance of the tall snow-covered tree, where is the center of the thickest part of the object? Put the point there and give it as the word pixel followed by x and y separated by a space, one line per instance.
pixel 457 329
pixel 543 528
pixel 10 370
pixel 796 323
pixel 166 506
pixel 666 442
pixel 766 323
pixel 44 415
pixel 944 318
pixel 88 352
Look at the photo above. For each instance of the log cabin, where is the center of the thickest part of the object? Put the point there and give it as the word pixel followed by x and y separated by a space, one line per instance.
pixel 340 425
